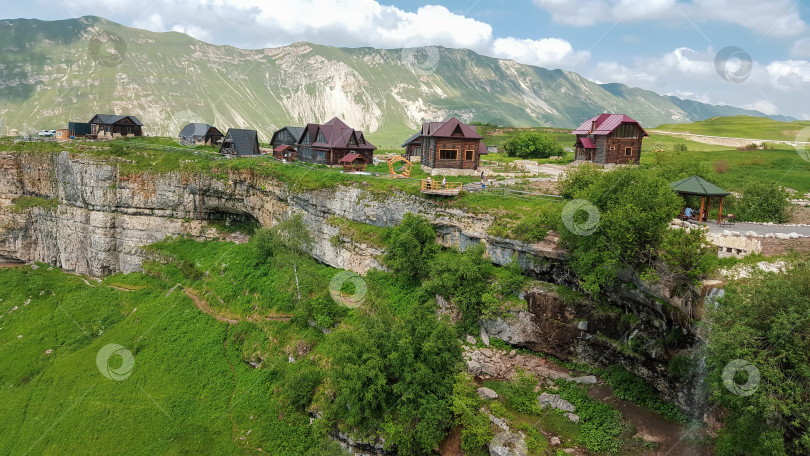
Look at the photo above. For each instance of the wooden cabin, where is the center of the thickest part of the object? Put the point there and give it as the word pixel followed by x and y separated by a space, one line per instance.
pixel 450 144
pixel 328 143
pixel 240 143
pixel 110 125
pixel 285 152
pixel 609 138
pixel 64 134
pixel 287 136
pixel 201 133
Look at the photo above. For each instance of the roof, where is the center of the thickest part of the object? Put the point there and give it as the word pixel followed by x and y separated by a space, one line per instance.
pixel 694 185
pixel 196 130
pixel 336 135
pixel 448 129
pixel 587 143
pixel 604 124
pixel 246 142
pixel 283 147
pixel 352 157
pixel 482 148
pixel 109 119
pixel 295 132
pixel 412 139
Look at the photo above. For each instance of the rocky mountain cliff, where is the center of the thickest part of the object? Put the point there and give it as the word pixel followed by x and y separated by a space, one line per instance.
pixel 90 218
pixel 53 72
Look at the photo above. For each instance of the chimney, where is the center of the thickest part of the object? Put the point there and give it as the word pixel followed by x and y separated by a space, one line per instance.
pixel 593 126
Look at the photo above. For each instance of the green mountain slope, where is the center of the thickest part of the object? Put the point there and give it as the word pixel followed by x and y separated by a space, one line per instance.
pixel 743 127
pixel 52 72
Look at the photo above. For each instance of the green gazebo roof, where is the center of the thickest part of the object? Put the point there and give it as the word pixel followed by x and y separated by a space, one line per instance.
pixel 694 185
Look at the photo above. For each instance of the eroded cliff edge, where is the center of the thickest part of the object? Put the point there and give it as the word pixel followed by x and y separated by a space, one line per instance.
pixel 97 219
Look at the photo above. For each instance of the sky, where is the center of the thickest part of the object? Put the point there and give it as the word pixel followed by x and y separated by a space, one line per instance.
pixel 748 53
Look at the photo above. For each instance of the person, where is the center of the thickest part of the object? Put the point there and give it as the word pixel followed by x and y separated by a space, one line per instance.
pixel 428 182
pixel 483 185
pixel 444 181
pixel 687 213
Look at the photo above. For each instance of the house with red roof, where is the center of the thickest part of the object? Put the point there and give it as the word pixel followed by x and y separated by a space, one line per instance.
pixel 609 138
pixel 328 143
pixel 451 144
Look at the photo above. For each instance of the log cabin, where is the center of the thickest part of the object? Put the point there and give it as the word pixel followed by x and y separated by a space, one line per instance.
pixel 609 138
pixel 287 136
pixel 451 144
pixel 240 143
pixel 328 143
pixel 110 125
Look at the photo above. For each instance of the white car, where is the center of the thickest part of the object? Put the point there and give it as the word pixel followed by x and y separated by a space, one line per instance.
pixel 47 133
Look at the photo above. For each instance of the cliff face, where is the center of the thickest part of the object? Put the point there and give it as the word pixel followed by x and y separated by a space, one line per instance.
pixel 92 219
pixel 97 219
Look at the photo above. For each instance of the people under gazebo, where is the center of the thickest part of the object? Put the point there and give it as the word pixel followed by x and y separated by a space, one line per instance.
pixel 696 186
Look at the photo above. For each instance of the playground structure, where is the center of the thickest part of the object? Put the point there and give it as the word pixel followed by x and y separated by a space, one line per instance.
pixel 430 187
pixel 402 172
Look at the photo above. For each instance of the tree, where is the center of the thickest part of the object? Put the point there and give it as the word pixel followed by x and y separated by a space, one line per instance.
pixel 629 209
pixel 530 144
pixel 763 202
pixel 285 243
pixel 395 375
pixel 411 247
pixel 763 322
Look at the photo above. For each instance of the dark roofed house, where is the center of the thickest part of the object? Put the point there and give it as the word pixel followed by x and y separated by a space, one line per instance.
pixel 609 138
pixel 330 142
pixel 287 136
pixel 285 152
pixel 201 133
pixel 451 144
pixel 240 143
pixel 79 128
pixel 109 125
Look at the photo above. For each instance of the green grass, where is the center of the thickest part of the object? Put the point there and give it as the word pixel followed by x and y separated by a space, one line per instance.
pixel 360 232
pixel 24 203
pixel 741 127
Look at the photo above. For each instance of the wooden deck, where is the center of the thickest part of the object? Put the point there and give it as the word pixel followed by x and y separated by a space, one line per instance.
pixel 436 188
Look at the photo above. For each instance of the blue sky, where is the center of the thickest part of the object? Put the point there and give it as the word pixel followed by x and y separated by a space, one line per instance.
pixel 668 46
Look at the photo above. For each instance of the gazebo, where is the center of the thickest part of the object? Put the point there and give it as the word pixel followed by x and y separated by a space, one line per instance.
pixel 696 186
pixel 353 162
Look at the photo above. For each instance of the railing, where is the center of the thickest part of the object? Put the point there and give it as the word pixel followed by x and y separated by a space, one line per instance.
pixel 437 188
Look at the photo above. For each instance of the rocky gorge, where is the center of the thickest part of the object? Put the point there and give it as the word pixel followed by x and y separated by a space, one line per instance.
pixel 91 218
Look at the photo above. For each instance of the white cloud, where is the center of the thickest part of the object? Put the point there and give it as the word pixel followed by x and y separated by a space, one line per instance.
pixel 767 17
pixel 763 106
pixel 801 48
pixel 789 75
pixel 545 52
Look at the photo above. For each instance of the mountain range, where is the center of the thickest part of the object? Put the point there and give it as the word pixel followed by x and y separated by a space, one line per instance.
pixel 52 72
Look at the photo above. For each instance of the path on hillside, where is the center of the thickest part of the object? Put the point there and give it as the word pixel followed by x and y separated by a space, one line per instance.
pixel 727 140
pixel 743 227
pixel 206 309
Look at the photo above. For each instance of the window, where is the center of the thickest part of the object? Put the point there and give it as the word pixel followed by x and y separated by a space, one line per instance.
pixel 448 154
pixel 628 151
pixel 612 148
pixel 469 155
pixel 320 137
pixel 305 140
pixel 417 151
pixel 321 155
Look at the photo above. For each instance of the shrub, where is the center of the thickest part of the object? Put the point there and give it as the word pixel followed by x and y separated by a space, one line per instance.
pixel 687 255
pixel 631 388
pixel 475 430
pixel 601 424
pixel 411 247
pixel 300 382
pixel 721 166
pixel 763 202
pixel 529 144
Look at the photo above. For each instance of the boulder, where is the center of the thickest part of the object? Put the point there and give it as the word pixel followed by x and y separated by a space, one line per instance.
pixel 554 441
pixel 782 236
pixel 585 380
pixel 555 401
pixel 484 336
pixel 794 235
pixel 470 340
pixel 573 417
pixel 508 444
pixel 726 233
pixel 750 234
pixel 770 235
pixel 486 393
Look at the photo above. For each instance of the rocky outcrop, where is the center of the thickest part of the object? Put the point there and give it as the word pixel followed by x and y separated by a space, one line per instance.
pixel 101 218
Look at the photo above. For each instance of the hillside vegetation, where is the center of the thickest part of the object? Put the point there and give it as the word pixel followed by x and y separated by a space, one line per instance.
pixel 742 127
